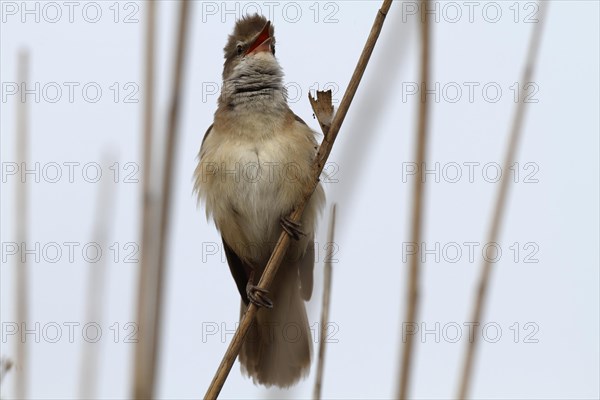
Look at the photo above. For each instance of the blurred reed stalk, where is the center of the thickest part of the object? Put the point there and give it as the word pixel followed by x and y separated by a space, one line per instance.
pixel 5 365
pixel 325 307
pixel 412 300
pixel 97 273
pixel 284 240
pixel 143 374
pixel 500 205
pixel 152 298
pixel 22 221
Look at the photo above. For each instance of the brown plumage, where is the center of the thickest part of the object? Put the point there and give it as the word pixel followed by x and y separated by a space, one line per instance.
pixel 255 161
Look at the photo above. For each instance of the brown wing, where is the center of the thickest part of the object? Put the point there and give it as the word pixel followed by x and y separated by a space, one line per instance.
pixel 306 265
pixel 239 271
pixel 297 118
pixel 206 134
pixel 305 269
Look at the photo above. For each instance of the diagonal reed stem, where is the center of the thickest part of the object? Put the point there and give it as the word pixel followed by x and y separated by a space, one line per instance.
pixel 283 242
pixel 500 206
pixel 325 308
pixel 417 212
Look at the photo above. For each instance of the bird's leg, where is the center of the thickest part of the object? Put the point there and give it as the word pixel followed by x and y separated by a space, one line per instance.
pixel 292 228
pixel 257 295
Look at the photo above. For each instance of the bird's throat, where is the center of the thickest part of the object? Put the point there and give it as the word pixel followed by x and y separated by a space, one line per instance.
pixel 254 87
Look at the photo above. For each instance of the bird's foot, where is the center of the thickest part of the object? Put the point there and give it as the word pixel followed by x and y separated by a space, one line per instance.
pixel 258 296
pixel 292 228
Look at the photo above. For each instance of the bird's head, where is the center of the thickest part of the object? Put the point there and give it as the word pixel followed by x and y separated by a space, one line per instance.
pixel 250 48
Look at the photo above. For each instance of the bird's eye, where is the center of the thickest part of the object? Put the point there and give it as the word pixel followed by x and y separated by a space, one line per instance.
pixel 239 49
pixel 273 49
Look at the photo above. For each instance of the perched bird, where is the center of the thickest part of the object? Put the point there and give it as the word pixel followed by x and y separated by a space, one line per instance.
pixel 254 161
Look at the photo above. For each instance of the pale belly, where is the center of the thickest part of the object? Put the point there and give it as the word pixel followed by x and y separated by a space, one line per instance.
pixel 248 189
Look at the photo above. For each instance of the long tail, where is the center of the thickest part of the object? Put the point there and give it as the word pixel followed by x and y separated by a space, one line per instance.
pixel 278 347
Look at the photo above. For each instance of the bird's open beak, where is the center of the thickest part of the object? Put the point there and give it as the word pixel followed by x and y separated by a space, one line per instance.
pixel 262 42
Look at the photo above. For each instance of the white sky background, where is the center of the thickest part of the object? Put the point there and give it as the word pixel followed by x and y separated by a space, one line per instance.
pixel 558 295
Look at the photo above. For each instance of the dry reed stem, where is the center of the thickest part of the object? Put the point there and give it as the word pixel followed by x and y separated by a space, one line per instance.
pixel 283 241
pixel 21 223
pixel 325 307
pixel 323 109
pixel 104 218
pixel 166 190
pixel 143 374
pixel 486 268
pixel 417 212
pixel 169 167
